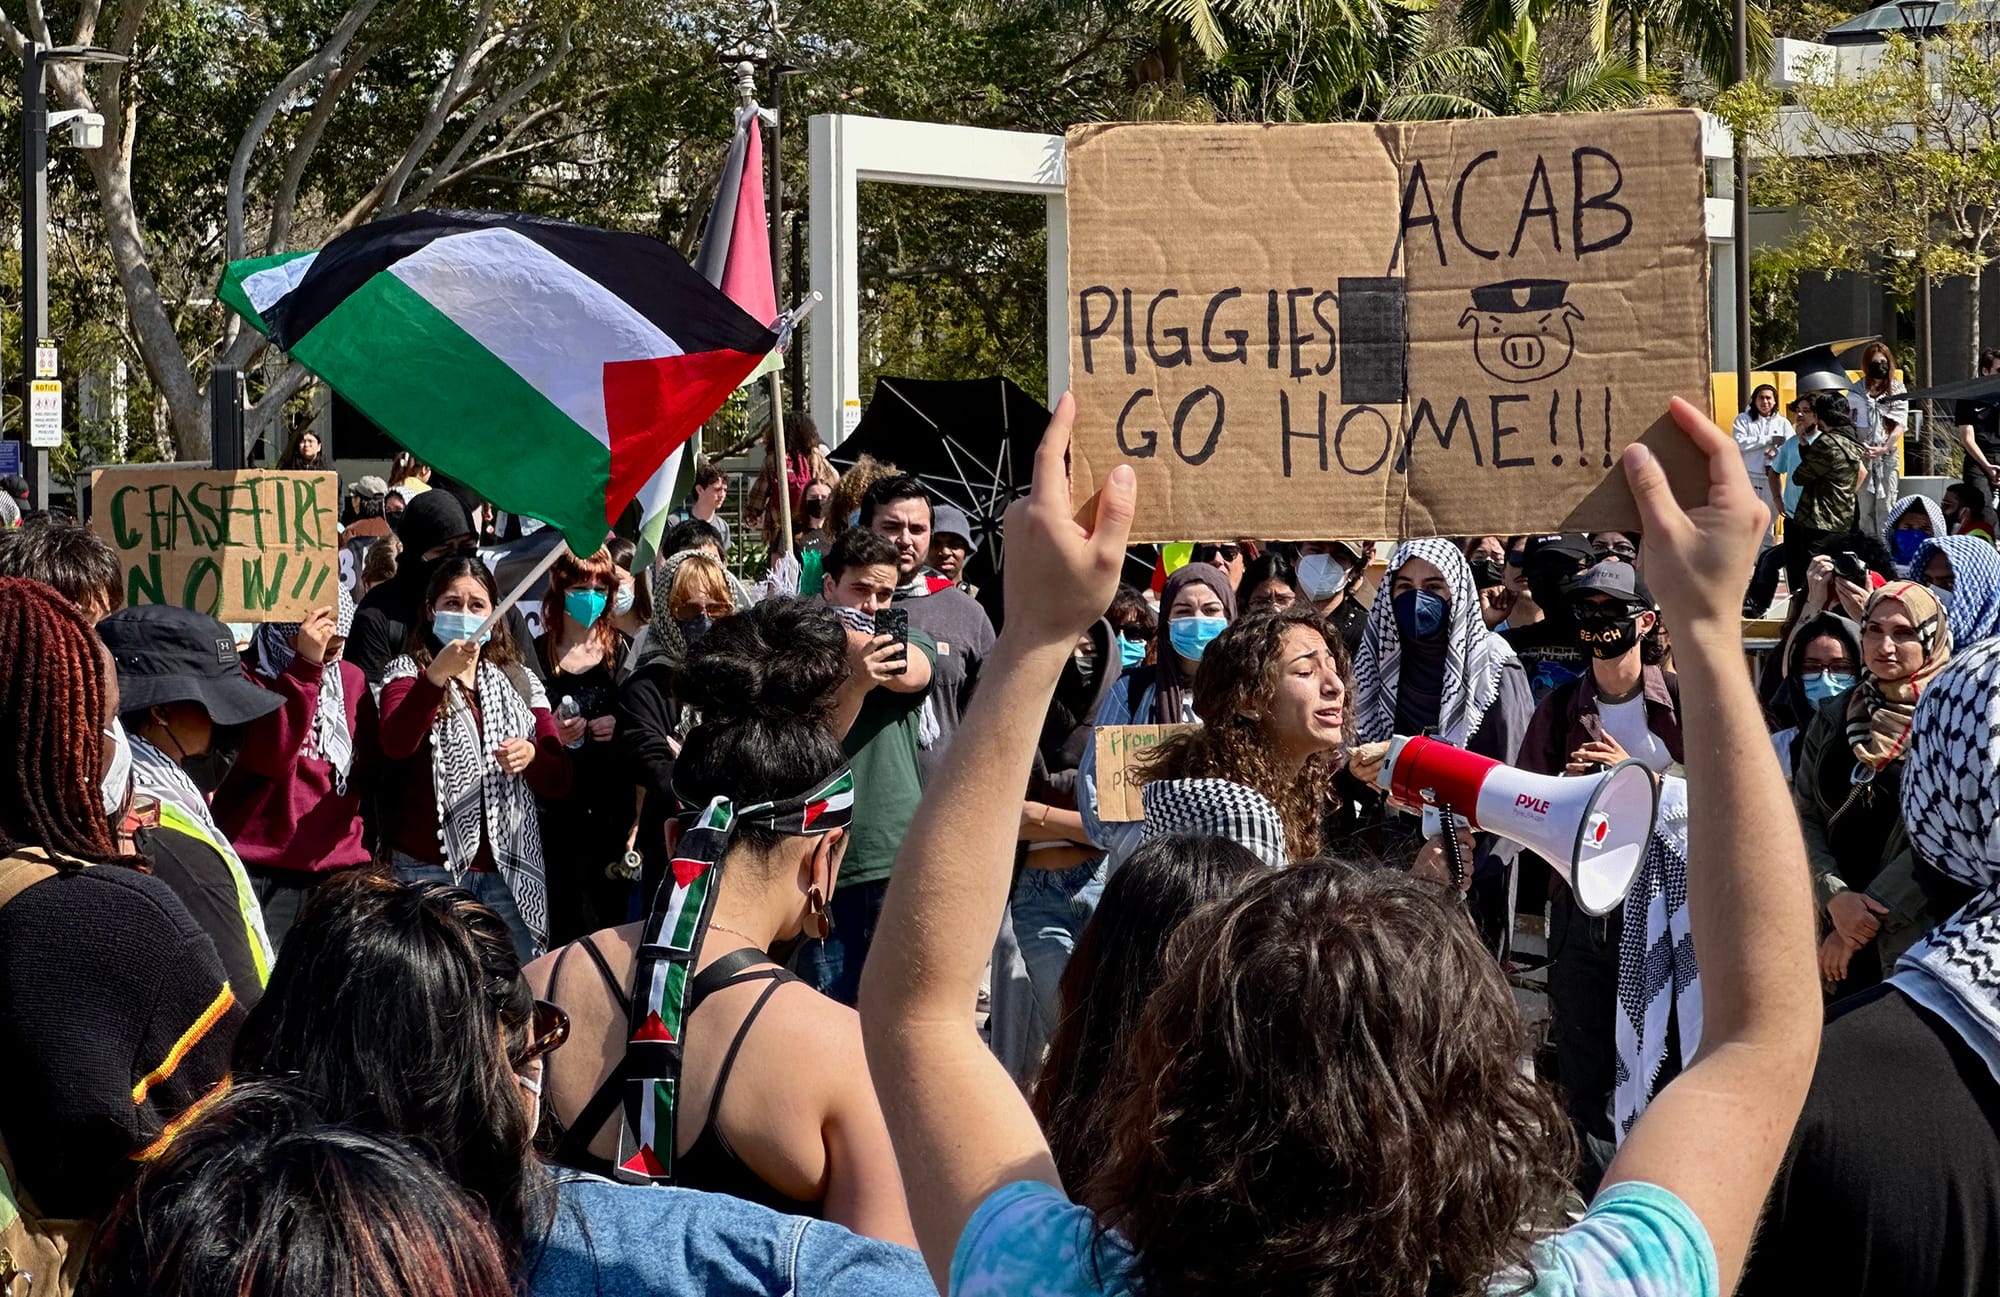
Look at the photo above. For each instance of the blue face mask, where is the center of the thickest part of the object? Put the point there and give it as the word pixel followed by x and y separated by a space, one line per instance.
pixel 449 626
pixel 1905 544
pixel 1825 685
pixel 1131 652
pixel 584 607
pixel 1421 615
pixel 1191 636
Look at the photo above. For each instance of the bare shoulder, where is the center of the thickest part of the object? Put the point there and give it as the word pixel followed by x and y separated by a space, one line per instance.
pixel 617 945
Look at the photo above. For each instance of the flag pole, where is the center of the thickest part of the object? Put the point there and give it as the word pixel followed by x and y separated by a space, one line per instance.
pixel 781 478
pixel 535 574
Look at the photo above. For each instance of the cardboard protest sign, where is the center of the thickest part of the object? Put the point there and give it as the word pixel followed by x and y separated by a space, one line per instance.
pixel 1308 331
pixel 1119 779
pixel 239 546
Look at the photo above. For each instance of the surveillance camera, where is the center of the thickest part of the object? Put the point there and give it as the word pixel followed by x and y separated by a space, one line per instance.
pixel 86 131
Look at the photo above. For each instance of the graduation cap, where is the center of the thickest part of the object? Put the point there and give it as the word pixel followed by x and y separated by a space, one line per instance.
pixel 1819 367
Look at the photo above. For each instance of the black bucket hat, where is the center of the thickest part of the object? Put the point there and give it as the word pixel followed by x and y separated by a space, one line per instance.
pixel 175 655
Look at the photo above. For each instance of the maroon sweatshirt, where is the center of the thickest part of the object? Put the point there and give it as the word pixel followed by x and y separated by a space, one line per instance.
pixel 278 805
pixel 408 795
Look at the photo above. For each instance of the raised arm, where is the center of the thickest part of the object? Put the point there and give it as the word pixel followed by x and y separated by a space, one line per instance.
pixel 960 1127
pixel 1716 1134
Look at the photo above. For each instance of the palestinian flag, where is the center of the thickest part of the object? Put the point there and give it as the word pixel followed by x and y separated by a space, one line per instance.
pixel 551 367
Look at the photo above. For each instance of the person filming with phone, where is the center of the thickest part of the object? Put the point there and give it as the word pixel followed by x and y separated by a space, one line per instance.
pixel 883 712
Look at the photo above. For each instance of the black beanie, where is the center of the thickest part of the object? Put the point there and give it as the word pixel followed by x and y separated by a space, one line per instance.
pixel 434 518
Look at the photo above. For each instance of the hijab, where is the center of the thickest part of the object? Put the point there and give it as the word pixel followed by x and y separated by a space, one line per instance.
pixel 1791 705
pixel 1975 589
pixel 432 519
pixel 1879 711
pixel 1172 693
pixel 1930 511
pixel 1950 788
pixel 1474 657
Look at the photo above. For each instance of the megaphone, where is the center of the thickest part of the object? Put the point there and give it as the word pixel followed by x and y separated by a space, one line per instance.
pixel 1593 829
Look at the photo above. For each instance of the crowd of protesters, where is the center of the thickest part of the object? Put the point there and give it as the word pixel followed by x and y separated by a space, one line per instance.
pixel 696 935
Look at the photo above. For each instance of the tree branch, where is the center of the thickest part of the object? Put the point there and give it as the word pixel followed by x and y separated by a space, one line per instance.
pixel 449 88
pixel 443 173
pixel 260 122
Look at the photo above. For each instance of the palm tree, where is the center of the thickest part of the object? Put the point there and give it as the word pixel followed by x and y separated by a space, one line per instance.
pixel 1503 77
pixel 1703 30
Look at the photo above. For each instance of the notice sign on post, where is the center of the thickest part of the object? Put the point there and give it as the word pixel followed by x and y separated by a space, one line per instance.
pixel 1298 332
pixel 45 414
pixel 242 546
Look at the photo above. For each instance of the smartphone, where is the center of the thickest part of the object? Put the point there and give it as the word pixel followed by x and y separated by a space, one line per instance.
pixel 895 623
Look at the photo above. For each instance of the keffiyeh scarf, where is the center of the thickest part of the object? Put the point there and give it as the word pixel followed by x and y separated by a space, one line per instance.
pixel 1217 808
pixel 1879 711
pixel 1474 656
pixel 1951 803
pixel 475 797
pixel 1974 613
pixel 1657 974
pixel 329 739
pixel 664 972
pixel 1903 506
pixel 667 640
pixel 929 729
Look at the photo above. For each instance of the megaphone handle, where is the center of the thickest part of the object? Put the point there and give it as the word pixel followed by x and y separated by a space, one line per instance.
pixel 1454 854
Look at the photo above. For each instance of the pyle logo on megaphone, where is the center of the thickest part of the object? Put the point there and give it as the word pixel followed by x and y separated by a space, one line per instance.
pixel 1592 828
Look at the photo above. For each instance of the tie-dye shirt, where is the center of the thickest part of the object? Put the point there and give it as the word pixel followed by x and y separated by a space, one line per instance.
pixel 1637 1240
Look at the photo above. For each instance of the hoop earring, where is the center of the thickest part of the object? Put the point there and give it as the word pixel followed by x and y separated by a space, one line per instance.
pixel 818 924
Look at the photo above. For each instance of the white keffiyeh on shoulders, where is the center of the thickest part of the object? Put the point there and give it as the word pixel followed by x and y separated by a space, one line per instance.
pixel 1474 659
pixel 329 738
pixel 1657 973
pixel 474 795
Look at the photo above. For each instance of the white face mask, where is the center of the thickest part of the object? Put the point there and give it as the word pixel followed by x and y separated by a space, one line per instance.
pixel 621 603
pixel 1322 575
pixel 118 775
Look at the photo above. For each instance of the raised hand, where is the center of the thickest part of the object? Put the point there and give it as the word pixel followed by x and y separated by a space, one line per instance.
pixel 1061 575
pixel 1698 560
pixel 316 632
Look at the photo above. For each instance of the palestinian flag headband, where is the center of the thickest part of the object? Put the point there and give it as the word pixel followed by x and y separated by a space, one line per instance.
pixel 664 971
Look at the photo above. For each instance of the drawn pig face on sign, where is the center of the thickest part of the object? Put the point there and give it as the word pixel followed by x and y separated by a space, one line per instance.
pixel 1521 329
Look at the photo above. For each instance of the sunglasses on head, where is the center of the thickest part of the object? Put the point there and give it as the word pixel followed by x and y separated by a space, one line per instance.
pixel 547 1029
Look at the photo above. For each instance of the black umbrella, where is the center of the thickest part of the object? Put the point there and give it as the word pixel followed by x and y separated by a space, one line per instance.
pixel 971 442
pixel 1965 389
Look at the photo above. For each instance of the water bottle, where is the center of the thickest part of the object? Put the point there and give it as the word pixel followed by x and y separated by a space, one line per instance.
pixel 568 710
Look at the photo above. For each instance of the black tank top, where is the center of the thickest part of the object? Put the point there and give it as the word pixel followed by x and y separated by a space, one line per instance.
pixel 710 1164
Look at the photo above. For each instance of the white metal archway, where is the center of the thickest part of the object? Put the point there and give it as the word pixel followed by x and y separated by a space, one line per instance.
pixel 846 150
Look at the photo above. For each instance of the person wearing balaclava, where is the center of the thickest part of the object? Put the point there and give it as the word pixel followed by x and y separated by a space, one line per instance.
pixel 1963 572
pixel 1913 520
pixel 1846 786
pixel 434 527
pixel 1429 666
pixel 1197 603
pixel 184 705
pixel 1892 1185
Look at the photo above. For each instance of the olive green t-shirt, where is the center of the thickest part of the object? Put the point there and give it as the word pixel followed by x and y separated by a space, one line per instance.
pixel 882 748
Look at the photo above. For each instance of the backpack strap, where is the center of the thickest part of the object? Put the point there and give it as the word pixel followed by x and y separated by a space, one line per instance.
pixel 20 872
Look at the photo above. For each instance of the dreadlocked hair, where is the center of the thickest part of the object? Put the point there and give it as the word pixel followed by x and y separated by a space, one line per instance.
pixel 1236 683
pixel 51 726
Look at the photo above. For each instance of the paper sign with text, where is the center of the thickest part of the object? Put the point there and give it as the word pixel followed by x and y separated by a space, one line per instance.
pixel 239 546
pixel 1298 332
pixel 1120 781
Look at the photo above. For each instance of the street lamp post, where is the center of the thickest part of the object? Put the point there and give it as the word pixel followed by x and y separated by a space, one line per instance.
pixel 1919 19
pixel 34 206
pixel 1740 207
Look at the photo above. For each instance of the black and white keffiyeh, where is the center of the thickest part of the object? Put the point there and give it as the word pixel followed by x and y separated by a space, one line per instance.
pixel 1217 808
pixel 1474 656
pixel 474 795
pixel 1657 974
pixel 1951 804
pixel 329 739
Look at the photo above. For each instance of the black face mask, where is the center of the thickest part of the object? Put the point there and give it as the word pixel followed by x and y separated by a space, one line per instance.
pixel 1878 369
pixel 207 770
pixel 693 628
pixel 1606 635
pixel 815 509
pixel 1488 572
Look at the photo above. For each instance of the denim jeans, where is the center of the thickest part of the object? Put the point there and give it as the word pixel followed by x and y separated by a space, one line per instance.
pixel 487 887
pixel 833 966
pixel 1047 912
